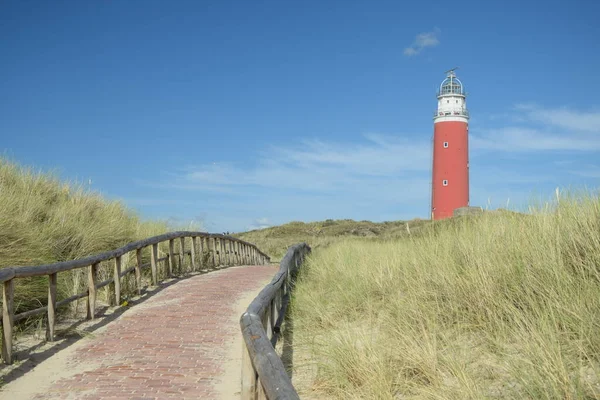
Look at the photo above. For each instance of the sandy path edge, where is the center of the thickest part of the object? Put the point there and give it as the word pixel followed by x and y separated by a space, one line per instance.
pixel 229 387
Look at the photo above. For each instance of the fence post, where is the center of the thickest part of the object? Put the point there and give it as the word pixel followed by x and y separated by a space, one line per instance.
pixel 248 375
pixel 235 253
pixel 181 255
pixel 8 314
pixel 212 246
pixel 193 253
pixel 52 278
pixel 227 244
pixel 201 252
pixel 92 278
pixel 153 267
pixel 218 254
pixel 223 253
pixel 260 395
pixel 171 256
pixel 138 271
pixel 227 252
pixel 117 280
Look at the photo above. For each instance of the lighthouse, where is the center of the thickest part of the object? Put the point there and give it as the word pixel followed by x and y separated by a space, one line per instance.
pixel 450 180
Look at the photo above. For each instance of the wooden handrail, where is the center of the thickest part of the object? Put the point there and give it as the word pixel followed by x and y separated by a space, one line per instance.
pixel 230 251
pixel 263 373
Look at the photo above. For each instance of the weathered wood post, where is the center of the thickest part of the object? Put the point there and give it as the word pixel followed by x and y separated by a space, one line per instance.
pixel 234 252
pixel 171 258
pixel 249 376
pixel 230 252
pixel 117 280
pixel 201 252
pixel 181 255
pixel 260 395
pixel 227 252
pixel 8 314
pixel 91 299
pixel 218 251
pixel 138 271
pixel 153 267
pixel 52 279
pixel 193 253
pixel 222 255
pixel 212 244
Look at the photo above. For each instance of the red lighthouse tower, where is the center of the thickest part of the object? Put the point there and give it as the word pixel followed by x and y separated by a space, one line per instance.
pixel 450 183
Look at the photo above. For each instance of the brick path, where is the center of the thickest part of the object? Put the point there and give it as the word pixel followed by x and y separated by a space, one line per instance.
pixel 172 346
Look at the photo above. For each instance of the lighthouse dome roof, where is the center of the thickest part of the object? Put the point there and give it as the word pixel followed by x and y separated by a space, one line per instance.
pixel 451 85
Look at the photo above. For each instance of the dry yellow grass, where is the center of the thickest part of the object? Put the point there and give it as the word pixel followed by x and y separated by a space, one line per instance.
pixel 496 306
pixel 44 220
pixel 276 240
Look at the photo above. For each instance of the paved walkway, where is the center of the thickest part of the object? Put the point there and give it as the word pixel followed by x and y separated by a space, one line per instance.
pixel 184 342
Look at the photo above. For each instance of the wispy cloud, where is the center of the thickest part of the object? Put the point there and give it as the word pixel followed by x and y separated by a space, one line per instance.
pixel 565 118
pixel 423 40
pixel 543 129
pixel 526 139
pixel 318 166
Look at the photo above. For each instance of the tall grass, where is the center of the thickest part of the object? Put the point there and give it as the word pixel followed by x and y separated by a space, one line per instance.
pixel 494 306
pixel 44 220
pixel 276 240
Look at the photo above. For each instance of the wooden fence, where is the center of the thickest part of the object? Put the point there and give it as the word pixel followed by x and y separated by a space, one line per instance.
pixel 204 248
pixel 263 373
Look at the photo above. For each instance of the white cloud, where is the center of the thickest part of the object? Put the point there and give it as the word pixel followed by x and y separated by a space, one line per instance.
pixel 423 40
pixel 315 165
pixel 527 139
pixel 554 129
pixel 584 121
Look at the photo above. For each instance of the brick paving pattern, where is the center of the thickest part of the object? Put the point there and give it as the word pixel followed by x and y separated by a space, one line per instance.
pixel 172 346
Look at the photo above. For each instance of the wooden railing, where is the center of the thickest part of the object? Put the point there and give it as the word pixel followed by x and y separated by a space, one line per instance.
pixel 213 249
pixel 263 372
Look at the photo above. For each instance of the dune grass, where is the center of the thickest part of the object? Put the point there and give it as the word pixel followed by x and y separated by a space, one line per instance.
pixel 44 220
pixel 276 240
pixel 495 306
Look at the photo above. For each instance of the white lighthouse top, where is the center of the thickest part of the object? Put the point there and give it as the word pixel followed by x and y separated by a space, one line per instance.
pixel 451 85
pixel 452 104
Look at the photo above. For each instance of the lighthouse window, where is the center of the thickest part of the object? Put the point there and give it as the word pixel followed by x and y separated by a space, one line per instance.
pixel 445 145
pixel 445 182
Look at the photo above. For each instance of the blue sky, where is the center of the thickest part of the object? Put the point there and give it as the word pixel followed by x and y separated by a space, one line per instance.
pixel 237 114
